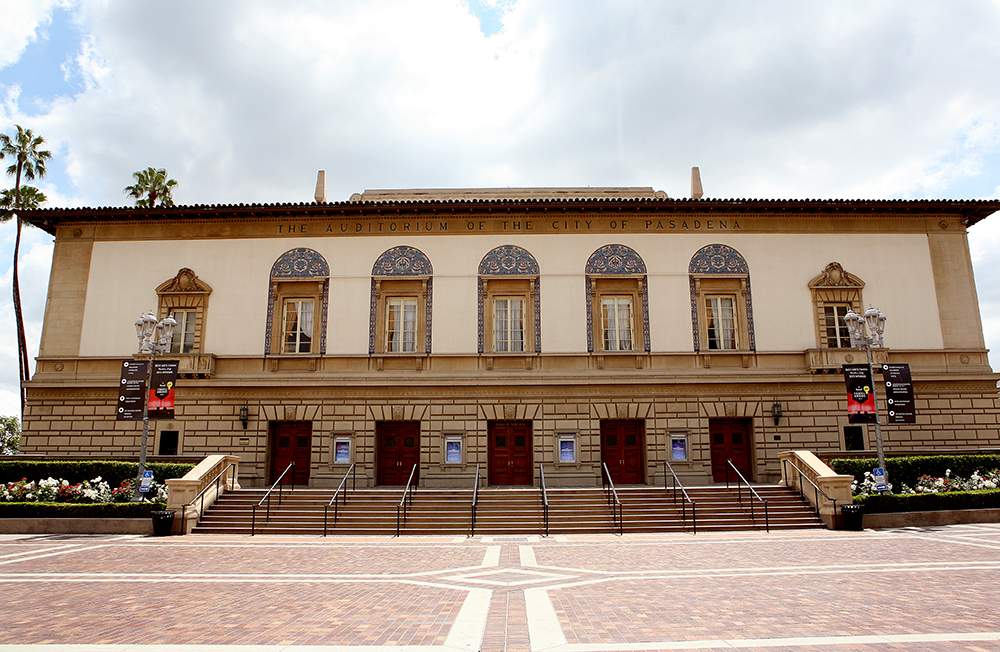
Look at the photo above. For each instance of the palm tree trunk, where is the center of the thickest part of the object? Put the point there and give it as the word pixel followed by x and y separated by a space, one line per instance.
pixel 22 348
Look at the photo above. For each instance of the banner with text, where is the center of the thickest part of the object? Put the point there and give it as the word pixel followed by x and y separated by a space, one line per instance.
pixel 162 389
pixel 899 393
pixel 131 390
pixel 860 398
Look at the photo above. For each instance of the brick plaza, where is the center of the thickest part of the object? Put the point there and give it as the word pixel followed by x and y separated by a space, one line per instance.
pixel 927 589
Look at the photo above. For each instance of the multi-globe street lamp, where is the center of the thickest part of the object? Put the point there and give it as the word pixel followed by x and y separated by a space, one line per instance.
pixel 867 331
pixel 154 337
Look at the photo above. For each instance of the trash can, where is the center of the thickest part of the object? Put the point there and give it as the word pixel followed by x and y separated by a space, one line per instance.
pixel 163 522
pixel 853 517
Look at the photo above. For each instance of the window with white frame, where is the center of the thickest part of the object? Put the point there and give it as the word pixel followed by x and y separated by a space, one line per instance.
pixel 401 325
pixel 508 324
pixel 453 449
pixel 184 333
pixel 567 447
pixel 616 323
pixel 342 450
pixel 720 314
pixel 678 447
pixel 297 326
pixel 835 330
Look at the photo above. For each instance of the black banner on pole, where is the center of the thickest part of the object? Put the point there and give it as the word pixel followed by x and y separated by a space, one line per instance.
pixel 899 393
pixel 131 390
pixel 860 398
pixel 161 389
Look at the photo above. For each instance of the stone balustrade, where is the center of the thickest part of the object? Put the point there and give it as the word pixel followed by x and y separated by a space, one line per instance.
pixel 801 463
pixel 214 475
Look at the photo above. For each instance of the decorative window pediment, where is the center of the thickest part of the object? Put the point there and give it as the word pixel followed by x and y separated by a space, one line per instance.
pixel 400 276
pixel 509 305
pixel 299 286
pixel 835 276
pixel 834 292
pixel 721 300
pixel 186 282
pixel 186 297
pixel 616 269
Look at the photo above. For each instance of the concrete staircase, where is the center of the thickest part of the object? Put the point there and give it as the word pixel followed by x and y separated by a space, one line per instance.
pixel 505 511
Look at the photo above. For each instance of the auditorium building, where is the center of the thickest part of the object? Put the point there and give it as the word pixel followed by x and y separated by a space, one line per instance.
pixel 513 330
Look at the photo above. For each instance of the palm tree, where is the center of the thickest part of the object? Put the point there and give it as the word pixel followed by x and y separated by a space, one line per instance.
pixel 151 185
pixel 29 162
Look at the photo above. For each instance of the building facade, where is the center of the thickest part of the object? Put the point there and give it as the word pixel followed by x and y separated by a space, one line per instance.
pixel 511 330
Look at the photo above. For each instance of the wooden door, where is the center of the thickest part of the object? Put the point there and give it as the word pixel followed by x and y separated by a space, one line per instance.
pixel 623 448
pixel 291 441
pixel 510 453
pixel 398 449
pixel 730 439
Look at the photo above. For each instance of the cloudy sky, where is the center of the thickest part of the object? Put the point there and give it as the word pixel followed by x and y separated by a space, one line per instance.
pixel 244 100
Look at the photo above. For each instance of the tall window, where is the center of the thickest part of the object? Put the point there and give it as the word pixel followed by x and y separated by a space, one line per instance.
pixel 835 328
pixel 616 323
pixel 297 326
pixel 508 325
pixel 720 315
pixel 401 325
pixel 184 332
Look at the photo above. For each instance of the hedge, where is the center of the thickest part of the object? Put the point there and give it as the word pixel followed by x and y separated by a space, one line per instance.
pixel 882 503
pixel 77 510
pixel 907 469
pixel 77 471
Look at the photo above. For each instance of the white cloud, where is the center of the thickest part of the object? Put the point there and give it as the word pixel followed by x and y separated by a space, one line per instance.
pixel 243 101
pixel 22 20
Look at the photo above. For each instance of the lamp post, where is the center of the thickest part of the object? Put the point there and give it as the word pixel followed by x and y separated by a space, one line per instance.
pixel 866 331
pixel 154 337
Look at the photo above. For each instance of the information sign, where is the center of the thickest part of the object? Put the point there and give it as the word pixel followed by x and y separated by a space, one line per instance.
pixel 146 481
pixel 881 480
pixel 899 393
pixel 860 398
pixel 161 389
pixel 131 389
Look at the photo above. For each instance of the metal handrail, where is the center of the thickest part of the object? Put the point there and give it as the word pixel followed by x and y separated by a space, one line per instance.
pixel 545 499
pixel 818 492
pixel 611 495
pixel 475 504
pixel 201 494
pixel 685 498
pixel 267 496
pixel 335 501
pixel 753 492
pixel 407 498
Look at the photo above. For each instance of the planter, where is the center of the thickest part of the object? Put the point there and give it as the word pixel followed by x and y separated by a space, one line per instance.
pixel 853 517
pixel 163 522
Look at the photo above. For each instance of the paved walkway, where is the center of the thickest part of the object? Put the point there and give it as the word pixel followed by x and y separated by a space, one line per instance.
pixel 926 589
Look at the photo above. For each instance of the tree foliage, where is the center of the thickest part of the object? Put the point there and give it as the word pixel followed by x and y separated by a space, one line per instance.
pixel 152 188
pixel 10 435
pixel 30 198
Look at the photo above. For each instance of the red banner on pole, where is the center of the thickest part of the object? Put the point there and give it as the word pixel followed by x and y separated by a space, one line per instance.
pixel 860 397
pixel 162 390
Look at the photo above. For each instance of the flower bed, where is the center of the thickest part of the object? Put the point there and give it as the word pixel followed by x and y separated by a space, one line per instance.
pixel 77 471
pixel 908 470
pixel 980 490
pixel 94 498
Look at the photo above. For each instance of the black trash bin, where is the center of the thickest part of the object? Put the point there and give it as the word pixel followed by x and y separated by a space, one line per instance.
pixel 163 522
pixel 853 517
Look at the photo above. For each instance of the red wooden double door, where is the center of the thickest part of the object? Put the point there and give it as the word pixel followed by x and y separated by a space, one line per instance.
pixel 510 453
pixel 623 449
pixel 291 441
pixel 397 451
pixel 730 440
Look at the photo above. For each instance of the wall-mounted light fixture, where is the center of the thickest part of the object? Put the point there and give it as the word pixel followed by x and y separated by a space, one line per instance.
pixel 776 412
pixel 244 415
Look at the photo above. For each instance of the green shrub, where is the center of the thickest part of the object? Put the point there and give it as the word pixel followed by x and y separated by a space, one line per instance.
pixel 907 469
pixel 77 471
pixel 77 510
pixel 881 503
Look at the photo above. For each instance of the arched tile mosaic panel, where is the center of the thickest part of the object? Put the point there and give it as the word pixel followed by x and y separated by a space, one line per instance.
pixel 402 261
pixel 719 259
pixel 299 263
pixel 612 260
pixel 510 260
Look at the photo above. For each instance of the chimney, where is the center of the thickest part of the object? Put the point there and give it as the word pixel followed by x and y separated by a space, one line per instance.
pixel 320 195
pixel 696 191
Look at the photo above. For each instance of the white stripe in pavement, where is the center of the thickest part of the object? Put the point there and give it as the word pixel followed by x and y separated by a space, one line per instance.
pixel 544 630
pixel 467 631
pixel 739 643
pixel 914 565
pixel 51 548
pixel 129 647
pixel 52 554
pixel 492 557
pixel 945 539
pixel 527 554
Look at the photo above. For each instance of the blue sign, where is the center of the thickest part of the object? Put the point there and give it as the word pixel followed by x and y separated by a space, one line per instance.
pixel 147 479
pixel 880 482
